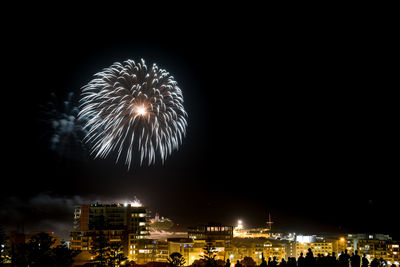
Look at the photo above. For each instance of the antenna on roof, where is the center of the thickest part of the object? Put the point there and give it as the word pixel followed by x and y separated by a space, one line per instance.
pixel 269 222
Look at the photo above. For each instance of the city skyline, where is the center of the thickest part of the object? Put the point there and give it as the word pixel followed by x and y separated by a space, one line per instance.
pixel 145 240
pixel 62 226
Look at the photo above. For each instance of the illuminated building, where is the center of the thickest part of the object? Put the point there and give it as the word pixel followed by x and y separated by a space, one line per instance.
pixel 354 239
pixel 215 235
pixel 323 248
pixel 255 248
pixel 211 231
pixel 193 249
pixel 291 249
pixel 126 223
pixel 148 250
pixel 339 245
pixel 190 249
pixel 393 253
pixel 241 232
pixel 117 216
pixel 375 246
pixel 83 240
pixel 319 245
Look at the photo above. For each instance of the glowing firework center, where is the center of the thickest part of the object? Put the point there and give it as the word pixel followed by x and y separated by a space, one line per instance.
pixel 141 110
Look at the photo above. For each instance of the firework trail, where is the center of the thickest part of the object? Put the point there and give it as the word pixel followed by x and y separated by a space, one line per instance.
pixel 135 111
pixel 66 130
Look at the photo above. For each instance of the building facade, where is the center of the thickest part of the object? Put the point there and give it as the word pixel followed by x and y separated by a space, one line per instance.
pixel 211 231
pixel 256 248
pixel 124 223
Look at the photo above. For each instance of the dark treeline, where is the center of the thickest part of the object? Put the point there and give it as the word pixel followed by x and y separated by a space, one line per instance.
pixel 39 251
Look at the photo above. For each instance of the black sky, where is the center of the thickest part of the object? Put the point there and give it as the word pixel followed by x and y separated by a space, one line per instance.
pixel 297 121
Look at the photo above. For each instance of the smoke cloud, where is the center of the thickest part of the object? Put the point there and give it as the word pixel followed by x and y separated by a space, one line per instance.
pixel 42 212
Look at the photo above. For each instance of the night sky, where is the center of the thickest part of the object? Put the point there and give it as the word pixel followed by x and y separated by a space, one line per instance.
pixel 298 122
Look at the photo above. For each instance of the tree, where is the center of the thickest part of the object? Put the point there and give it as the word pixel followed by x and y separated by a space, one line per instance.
pixel 37 252
pixel 115 254
pixel 209 255
pixel 176 259
pixel 99 249
pixel 63 256
pixel 106 253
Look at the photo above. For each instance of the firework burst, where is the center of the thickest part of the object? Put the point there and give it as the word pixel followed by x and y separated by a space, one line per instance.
pixel 135 111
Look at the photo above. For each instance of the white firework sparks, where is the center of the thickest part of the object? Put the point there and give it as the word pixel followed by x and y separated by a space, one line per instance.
pixel 133 110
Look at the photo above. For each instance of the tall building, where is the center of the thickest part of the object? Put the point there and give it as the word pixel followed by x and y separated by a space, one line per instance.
pixel 126 223
pixel 116 216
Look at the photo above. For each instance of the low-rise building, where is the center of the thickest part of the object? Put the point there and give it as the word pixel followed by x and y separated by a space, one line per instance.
pixel 256 248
